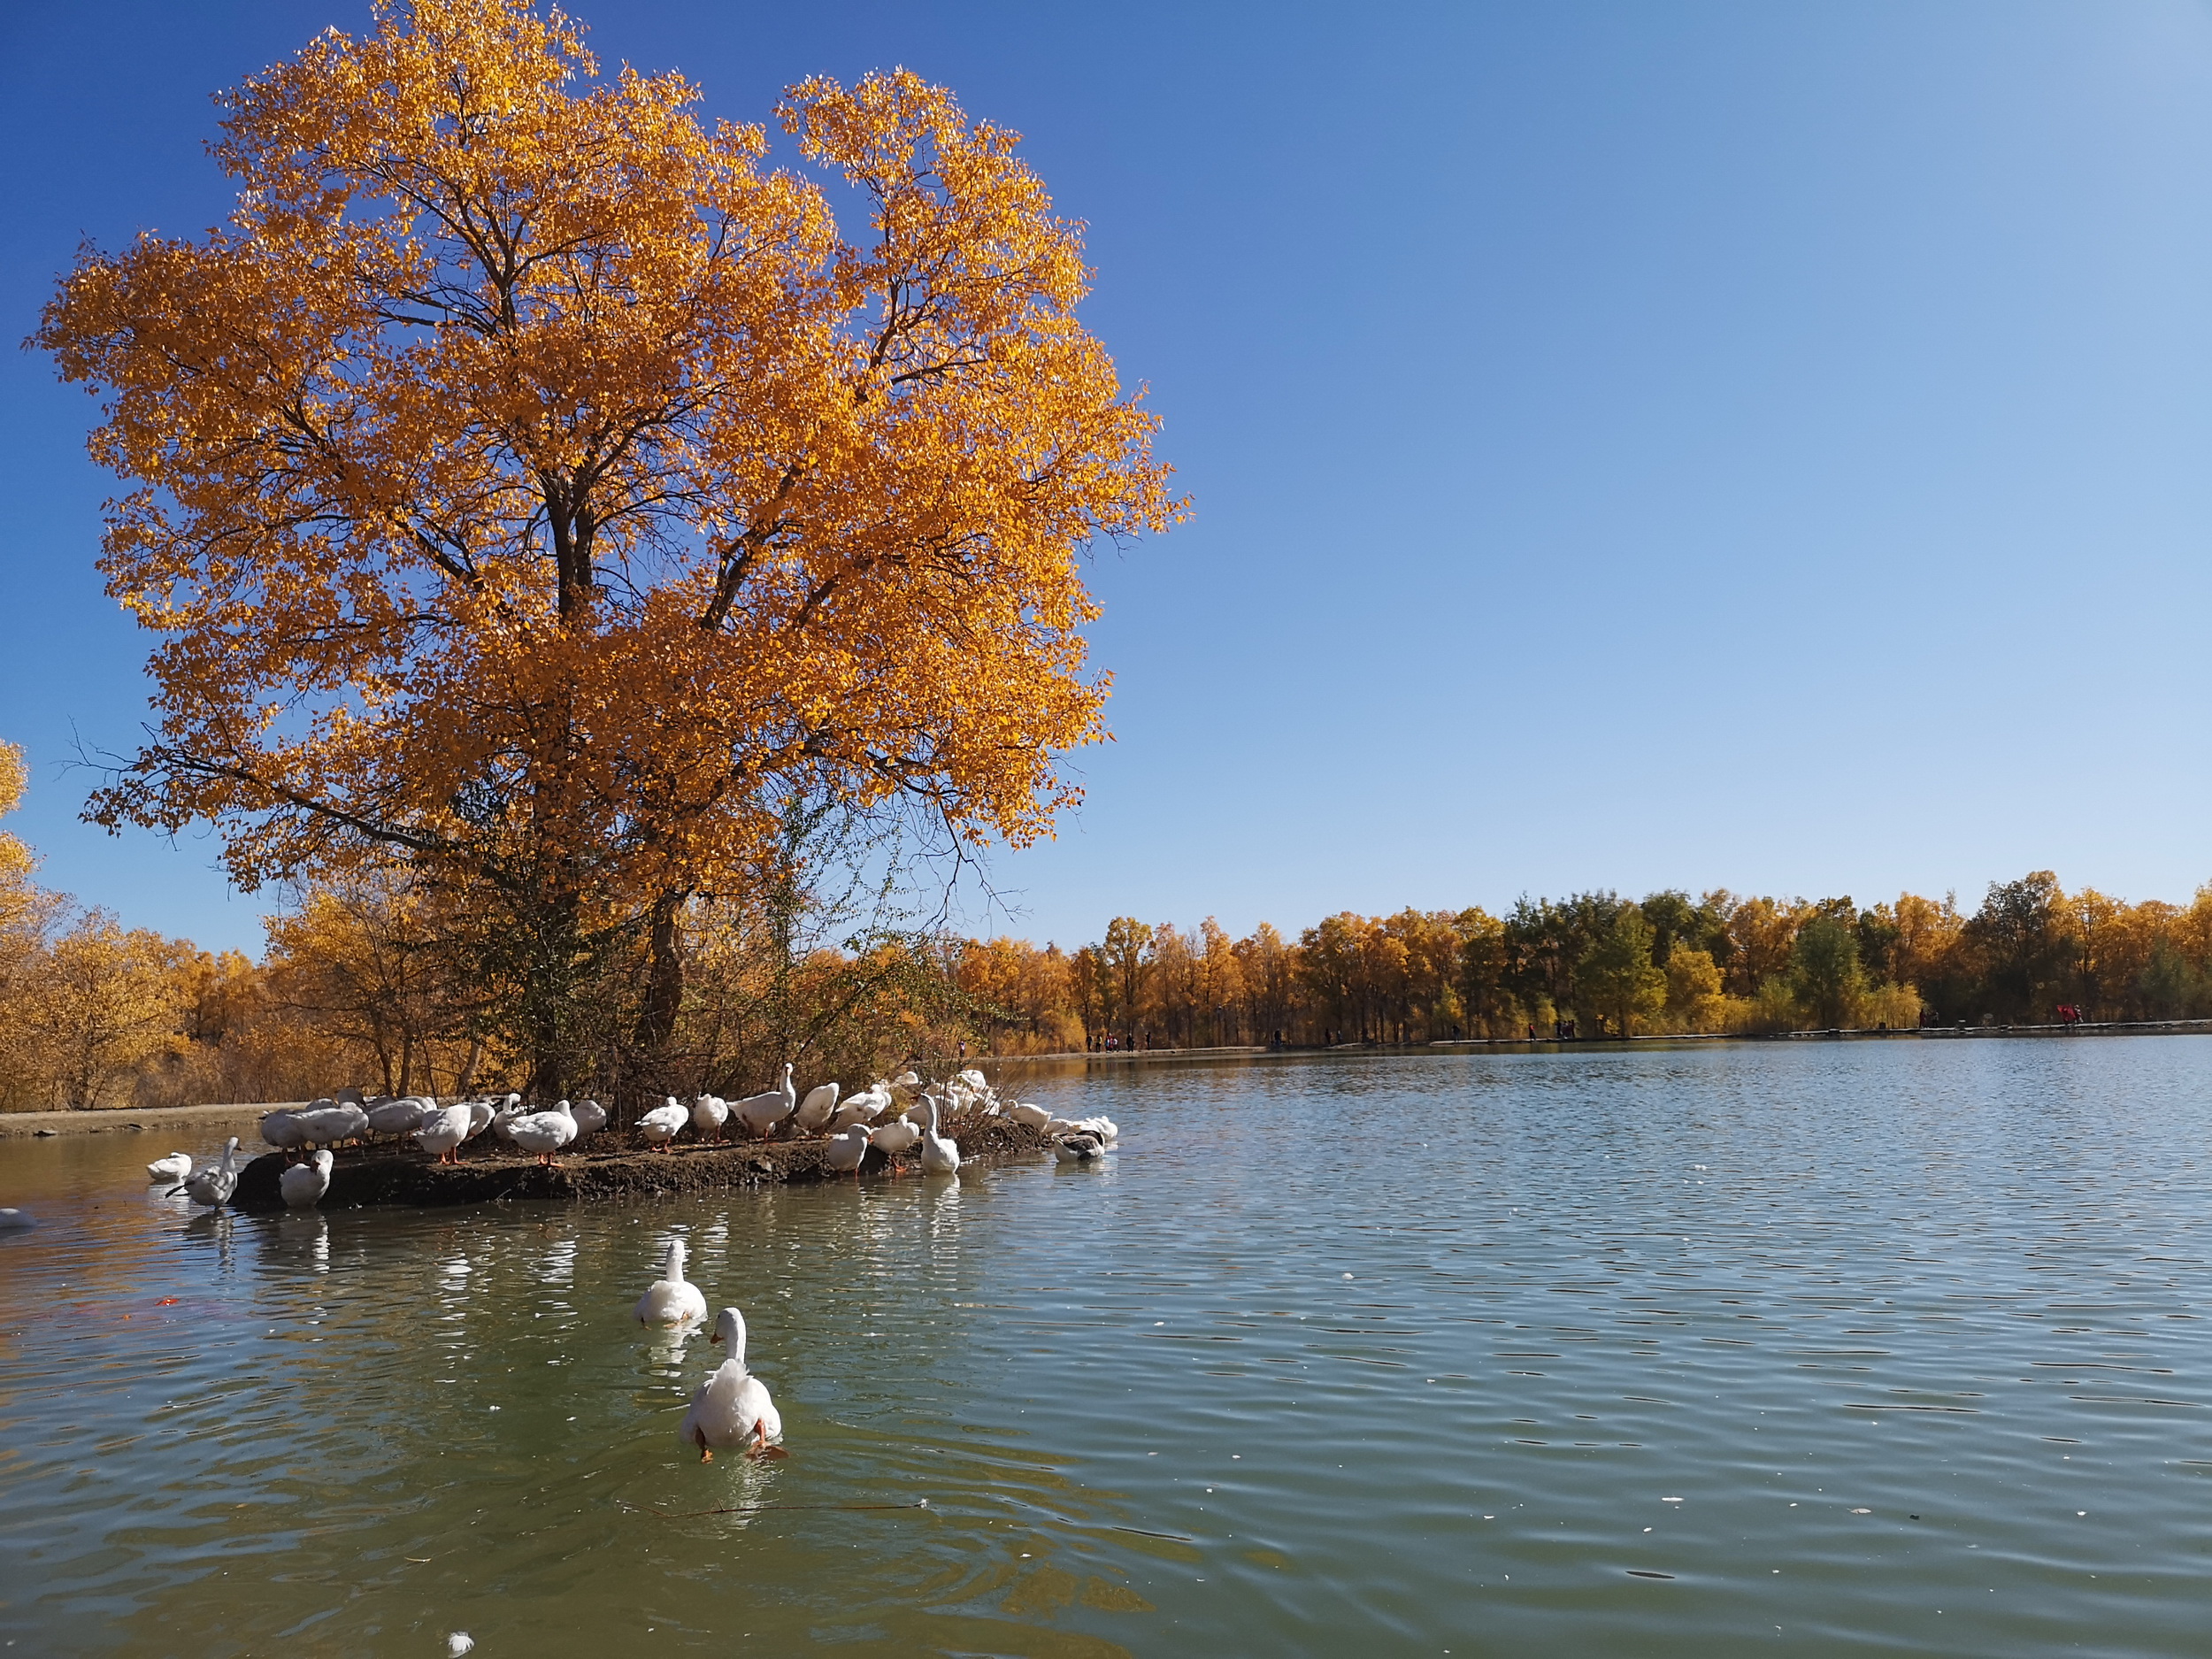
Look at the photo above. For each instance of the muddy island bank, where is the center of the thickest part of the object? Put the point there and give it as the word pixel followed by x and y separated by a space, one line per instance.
pixel 613 1163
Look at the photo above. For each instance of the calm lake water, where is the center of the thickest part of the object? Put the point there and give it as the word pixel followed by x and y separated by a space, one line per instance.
pixel 1807 1347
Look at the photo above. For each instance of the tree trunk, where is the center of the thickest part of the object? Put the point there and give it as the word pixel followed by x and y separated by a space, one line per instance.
pixel 664 976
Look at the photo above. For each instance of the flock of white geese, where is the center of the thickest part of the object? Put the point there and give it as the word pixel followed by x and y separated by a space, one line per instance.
pixel 851 1125
pixel 731 1408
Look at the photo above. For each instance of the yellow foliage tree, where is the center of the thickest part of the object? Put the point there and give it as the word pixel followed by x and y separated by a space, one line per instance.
pixel 531 482
pixel 101 1002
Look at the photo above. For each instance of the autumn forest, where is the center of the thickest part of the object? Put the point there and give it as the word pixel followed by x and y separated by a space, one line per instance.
pixel 365 982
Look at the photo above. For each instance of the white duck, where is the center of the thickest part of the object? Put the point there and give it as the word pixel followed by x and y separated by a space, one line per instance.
pixel 214 1186
pixel 846 1150
pixel 710 1112
pixel 590 1118
pixel 503 1117
pixel 481 1114
pixel 671 1299
pixel 895 1137
pixel 732 1406
pixel 342 1120
pixel 544 1134
pixel 813 1112
pixel 864 1108
pixel 172 1169
pixel 303 1185
pixel 285 1129
pixel 940 1157
pixel 1029 1114
pixel 663 1123
pixel 443 1131
pixel 1105 1128
pixel 758 1114
pixel 400 1116
pixel 845 1117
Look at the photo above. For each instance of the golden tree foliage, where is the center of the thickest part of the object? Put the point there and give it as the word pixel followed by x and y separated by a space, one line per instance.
pixel 102 1001
pixel 531 481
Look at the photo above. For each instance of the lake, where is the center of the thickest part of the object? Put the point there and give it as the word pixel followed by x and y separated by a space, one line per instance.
pixel 1805 1347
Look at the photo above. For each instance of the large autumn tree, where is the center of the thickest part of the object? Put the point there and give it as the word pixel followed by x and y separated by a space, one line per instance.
pixel 532 484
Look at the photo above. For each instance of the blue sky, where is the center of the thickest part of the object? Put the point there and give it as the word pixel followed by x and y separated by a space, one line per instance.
pixel 1634 445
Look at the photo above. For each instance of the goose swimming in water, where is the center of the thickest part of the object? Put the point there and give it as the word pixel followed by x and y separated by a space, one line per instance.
pixel 1078 1148
pixel 671 1299
pixel 732 1406
pixel 172 1169
pixel 214 1185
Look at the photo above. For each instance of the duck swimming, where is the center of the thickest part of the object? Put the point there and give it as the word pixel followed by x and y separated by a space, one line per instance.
pixel 732 1406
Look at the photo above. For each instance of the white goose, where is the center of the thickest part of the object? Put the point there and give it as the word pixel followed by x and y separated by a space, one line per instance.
pixel 443 1130
pixel 814 1111
pixel 732 1406
pixel 286 1129
pixel 214 1186
pixel 303 1185
pixel 1029 1114
pixel 895 1137
pixel 339 1120
pixel 710 1112
pixel 845 1117
pixel 846 1150
pixel 481 1114
pixel 544 1134
pixel 864 1108
pixel 758 1114
pixel 663 1123
pixel 671 1299
pixel 172 1169
pixel 590 1118
pixel 401 1116
pixel 940 1157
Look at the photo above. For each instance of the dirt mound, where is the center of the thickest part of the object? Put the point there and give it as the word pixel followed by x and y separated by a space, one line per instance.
pixel 613 1163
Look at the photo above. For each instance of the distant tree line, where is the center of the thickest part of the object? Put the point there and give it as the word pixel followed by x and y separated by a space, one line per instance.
pixel 1602 965
pixel 379 980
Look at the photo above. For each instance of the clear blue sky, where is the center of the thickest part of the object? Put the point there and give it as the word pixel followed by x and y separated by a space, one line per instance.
pixel 1634 445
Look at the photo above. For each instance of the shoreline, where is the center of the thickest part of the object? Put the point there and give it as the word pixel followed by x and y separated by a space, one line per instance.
pixel 244 1118
pixel 235 1117
pixel 1256 1051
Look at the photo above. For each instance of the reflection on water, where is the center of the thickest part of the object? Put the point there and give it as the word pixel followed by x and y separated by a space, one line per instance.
pixel 1663 1352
